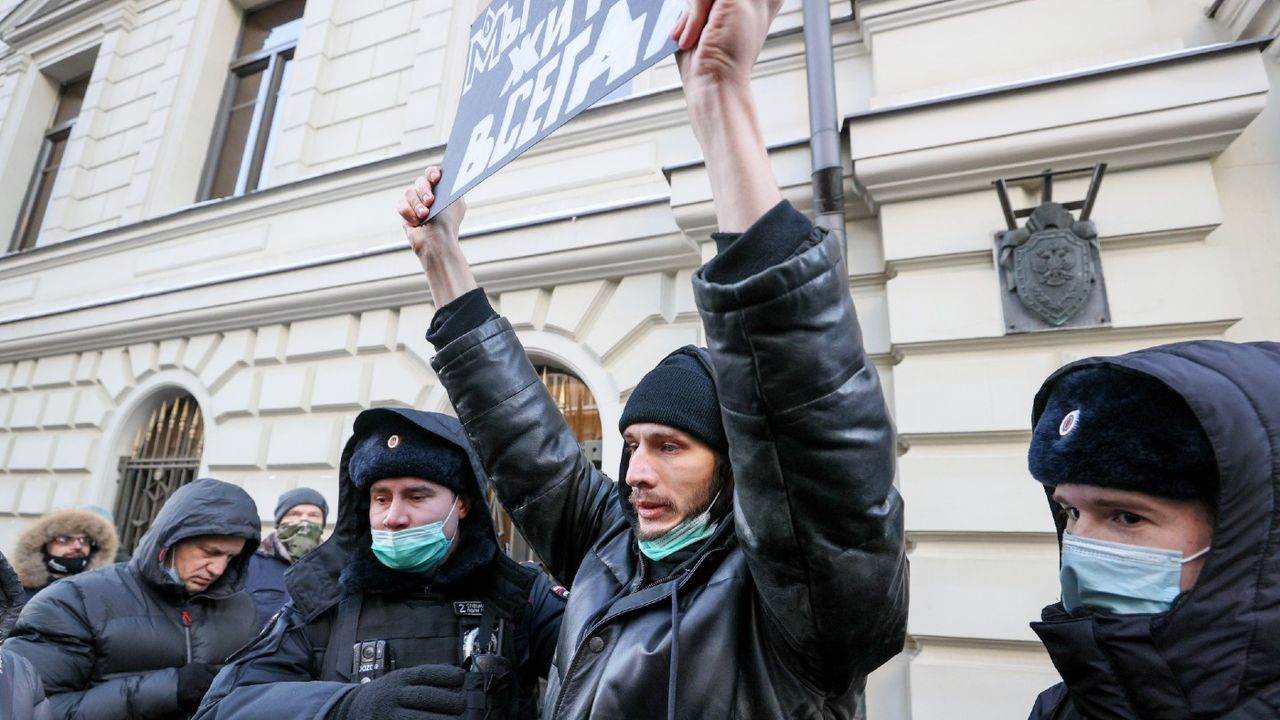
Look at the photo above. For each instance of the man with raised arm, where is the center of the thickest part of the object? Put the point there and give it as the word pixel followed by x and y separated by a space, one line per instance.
pixel 750 562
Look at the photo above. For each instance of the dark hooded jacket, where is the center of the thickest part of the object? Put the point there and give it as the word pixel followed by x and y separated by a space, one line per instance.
pixel 12 597
pixel 802 590
pixel 28 553
pixel 292 672
pixel 266 578
pixel 108 643
pixel 1215 653
pixel 21 692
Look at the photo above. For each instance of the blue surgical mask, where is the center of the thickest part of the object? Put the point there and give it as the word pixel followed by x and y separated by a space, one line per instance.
pixel 685 533
pixel 415 549
pixel 1119 578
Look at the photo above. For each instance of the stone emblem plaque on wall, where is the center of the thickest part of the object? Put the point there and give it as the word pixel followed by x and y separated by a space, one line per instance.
pixel 1050 269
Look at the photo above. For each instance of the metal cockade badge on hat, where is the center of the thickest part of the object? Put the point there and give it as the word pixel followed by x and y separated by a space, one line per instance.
pixel 393 441
pixel 1069 422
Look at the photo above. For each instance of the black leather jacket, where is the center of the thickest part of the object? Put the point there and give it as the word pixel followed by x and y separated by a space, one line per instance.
pixel 783 612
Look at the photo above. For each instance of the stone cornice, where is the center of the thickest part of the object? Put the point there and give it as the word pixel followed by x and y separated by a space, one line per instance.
pixel 1171 108
pixel 1251 18
pixel 380 277
pixel 877 16
pixel 25 30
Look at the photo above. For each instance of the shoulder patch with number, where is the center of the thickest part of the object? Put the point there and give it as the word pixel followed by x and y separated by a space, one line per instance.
pixel 469 608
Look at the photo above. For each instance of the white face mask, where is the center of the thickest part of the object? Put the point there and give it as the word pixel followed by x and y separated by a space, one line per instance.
pixel 1119 578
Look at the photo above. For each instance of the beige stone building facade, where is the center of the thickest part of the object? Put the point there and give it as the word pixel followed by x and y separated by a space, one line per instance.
pixel 206 277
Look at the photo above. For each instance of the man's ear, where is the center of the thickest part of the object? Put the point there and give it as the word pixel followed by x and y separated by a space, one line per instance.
pixel 464 505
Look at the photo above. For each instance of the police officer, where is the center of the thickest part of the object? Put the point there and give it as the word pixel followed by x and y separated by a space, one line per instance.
pixel 410 610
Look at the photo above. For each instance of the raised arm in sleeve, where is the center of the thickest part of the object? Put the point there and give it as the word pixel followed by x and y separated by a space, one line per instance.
pixel 559 501
pixel 812 448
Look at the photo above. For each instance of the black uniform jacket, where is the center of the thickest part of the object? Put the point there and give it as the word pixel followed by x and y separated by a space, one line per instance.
pixel 803 591
pixel 1216 654
pixel 294 670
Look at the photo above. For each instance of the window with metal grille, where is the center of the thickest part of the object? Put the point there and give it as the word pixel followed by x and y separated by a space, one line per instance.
pixel 165 455
pixel 240 157
pixel 70 98
pixel 581 412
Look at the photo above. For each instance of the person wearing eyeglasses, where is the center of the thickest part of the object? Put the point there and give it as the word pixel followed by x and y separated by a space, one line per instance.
pixel 62 544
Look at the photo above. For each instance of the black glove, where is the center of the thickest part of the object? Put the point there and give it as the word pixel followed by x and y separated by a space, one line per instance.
pixel 426 692
pixel 193 682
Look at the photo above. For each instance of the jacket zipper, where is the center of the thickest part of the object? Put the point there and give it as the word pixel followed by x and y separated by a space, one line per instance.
pixel 604 621
pixel 186 631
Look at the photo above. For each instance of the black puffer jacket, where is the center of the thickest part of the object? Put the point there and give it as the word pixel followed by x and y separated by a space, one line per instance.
pixel 12 597
pixel 1215 654
pixel 290 671
pixel 21 693
pixel 783 612
pixel 108 642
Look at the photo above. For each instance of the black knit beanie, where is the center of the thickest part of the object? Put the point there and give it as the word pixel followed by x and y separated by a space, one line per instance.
pixel 681 393
pixel 1110 428
pixel 392 447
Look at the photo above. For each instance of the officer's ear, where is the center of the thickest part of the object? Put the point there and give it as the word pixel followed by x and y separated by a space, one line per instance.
pixel 463 506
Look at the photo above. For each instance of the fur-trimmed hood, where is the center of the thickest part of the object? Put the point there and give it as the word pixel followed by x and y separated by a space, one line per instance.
pixel 28 554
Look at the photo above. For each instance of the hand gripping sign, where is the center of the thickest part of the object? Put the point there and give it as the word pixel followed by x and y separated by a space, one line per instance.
pixel 532 65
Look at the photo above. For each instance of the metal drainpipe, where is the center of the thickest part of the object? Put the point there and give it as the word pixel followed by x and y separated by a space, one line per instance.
pixel 824 130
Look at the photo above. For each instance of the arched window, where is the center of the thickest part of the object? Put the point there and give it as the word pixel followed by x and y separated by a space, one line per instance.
pixel 164 456
pixel 580 410
pixel 578 406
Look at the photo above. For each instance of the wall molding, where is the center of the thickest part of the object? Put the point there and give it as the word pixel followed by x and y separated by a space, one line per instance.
pixel 1196 104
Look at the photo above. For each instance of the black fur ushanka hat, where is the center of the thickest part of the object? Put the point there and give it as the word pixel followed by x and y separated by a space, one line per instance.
pixel 394 447
pixel 1112 428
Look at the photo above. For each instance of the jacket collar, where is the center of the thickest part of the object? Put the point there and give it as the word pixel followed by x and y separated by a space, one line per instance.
pixel 1213 649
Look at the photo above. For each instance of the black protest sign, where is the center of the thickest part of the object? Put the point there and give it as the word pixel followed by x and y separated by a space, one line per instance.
pixel 534 64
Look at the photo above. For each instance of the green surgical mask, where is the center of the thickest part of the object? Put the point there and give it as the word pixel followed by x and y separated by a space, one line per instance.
pixel 416 549
pixel 299 538
pixel 685 533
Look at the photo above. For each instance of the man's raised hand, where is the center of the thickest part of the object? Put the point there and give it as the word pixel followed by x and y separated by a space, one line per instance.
pixel 721 40
pixel 416 204
pixel 436 242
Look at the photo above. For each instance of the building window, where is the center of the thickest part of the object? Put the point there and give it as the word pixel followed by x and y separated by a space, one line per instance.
pixel 578 406
pixel 240 158
pixel 165 455
pixel 70 98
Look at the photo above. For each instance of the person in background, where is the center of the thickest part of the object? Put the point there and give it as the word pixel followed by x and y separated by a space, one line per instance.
pixel 144 639
pixel 300 518
pixel 61 544
pixel 21 692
